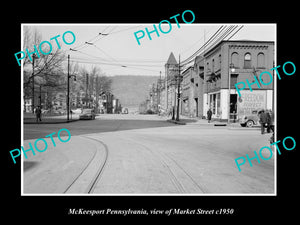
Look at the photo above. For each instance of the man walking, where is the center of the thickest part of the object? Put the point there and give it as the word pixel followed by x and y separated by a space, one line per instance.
pixel 263 119
pixel 38 113
pixel 209 113
pixel 270 126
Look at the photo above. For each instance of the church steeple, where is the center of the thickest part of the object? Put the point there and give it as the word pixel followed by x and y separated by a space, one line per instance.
pixel 171 60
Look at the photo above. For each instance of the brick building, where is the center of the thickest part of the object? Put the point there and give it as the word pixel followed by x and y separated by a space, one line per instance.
pixel 239 60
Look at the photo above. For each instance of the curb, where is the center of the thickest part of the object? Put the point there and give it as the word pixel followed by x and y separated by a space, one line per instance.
pixel 49 122
pixel 176 122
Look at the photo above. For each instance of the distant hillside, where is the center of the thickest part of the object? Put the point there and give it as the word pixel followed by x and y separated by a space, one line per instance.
pixel 132 90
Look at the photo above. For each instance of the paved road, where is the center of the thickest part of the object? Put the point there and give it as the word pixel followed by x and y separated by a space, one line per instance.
pixel 102 123
pixel 146 154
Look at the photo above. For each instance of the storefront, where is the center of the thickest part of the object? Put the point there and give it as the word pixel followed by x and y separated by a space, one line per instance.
pixel 239 106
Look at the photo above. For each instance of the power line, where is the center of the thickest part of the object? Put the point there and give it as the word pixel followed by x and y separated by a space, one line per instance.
pixel 205 44
pixel 218 36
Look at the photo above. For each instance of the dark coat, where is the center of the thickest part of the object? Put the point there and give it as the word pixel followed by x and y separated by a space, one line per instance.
pixel 209 113
pixel 263 117
pixel 38 111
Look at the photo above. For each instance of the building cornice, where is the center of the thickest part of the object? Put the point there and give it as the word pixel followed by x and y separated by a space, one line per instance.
pixel 248 46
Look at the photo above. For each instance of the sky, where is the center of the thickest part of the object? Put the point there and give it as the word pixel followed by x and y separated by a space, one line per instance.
pixel 117 51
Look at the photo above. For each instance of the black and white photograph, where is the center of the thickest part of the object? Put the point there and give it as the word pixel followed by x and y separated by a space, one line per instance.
pixel 180 111
pixel 148 109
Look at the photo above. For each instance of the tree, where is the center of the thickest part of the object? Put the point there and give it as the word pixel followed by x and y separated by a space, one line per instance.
pixel 46 71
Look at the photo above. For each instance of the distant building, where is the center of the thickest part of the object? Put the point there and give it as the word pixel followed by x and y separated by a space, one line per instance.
pixel 171 74
pixel 187 93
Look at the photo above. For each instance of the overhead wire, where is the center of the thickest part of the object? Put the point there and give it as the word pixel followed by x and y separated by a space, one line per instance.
pixel 218 36
pixel 222 33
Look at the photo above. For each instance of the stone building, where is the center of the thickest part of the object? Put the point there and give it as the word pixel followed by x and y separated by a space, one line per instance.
pixel 171 74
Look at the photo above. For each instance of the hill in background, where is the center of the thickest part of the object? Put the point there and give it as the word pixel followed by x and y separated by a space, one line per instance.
pixel 132 90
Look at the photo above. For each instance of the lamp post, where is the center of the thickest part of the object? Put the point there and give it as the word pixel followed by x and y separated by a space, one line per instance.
pixel 231 70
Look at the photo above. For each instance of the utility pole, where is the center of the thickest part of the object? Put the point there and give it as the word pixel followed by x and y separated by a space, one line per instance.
pixel 32 102
pixel 86 90
pixel 68 90
pixel 178 91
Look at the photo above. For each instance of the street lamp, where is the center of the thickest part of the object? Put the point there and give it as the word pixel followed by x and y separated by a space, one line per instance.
pixel 231 70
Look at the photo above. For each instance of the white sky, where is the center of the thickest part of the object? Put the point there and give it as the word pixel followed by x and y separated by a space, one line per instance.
pixel 120 47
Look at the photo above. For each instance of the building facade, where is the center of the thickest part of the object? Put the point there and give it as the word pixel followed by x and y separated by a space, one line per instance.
pixel 231 62
pixel 209 83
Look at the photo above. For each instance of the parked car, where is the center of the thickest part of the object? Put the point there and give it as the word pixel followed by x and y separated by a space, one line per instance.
pixel 250 120
pixel 87 114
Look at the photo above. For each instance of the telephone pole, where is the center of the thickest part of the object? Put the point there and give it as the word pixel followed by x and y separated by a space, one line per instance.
pixel 68 89
pixel 178 90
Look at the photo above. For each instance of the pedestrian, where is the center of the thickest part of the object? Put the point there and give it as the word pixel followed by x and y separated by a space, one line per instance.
pixel 209 114
pixel 270 121
pixel 263 119
pixel 38 113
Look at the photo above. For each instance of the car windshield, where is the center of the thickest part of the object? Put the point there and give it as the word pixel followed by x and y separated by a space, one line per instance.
pixel 86 111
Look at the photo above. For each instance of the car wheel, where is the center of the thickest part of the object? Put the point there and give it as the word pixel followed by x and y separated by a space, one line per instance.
pixel 249 123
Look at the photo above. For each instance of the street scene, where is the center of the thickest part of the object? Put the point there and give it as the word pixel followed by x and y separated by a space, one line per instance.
pixel 163 118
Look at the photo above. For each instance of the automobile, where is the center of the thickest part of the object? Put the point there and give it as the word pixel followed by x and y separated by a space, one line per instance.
pixel 87 114
pixel 250 120
pixel 125 111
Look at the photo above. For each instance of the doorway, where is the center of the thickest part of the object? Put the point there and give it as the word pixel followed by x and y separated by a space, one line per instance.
pixel 233 106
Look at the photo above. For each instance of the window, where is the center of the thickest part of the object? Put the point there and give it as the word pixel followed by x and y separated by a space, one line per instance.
pixel 207 67
pixel 247 61
pixel 235 59
pixel 261 60
pixel 233 80
pixel 213 65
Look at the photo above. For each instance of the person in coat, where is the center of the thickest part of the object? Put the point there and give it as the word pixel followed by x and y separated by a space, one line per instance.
pixel 209 114
pixel 270 126
pixel 263 119
pixel 38 113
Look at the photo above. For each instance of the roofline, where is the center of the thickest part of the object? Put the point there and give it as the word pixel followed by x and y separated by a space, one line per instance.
pixel 235 41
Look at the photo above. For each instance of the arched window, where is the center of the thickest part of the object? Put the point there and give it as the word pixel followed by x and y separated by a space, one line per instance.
pixel 235 59
pixel 261 60
pixel 247 61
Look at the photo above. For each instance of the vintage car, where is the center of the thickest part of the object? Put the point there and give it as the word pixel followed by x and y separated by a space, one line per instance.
pixel 87 114
pixel 250 120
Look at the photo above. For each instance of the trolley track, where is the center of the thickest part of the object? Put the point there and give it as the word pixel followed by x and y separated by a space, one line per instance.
pixel 87 180
pixel 174 169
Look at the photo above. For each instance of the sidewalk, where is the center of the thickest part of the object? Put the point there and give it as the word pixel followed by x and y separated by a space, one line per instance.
pixel 183 120
pixel 31 119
